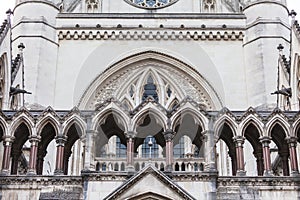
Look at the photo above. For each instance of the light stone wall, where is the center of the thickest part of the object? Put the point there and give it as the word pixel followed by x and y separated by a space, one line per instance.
pixel 34 25
pixel 200 189
pixel 6 53
pixel 110 51
pixel 99 190
pixel 267 27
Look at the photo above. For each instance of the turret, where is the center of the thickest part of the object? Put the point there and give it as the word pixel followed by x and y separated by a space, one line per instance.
pixel 266 27
pixel 34 26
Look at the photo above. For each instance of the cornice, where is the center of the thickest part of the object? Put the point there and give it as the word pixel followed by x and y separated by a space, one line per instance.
pixel 229 35
pixel 151 16
pixel 258 181
pixel 39 181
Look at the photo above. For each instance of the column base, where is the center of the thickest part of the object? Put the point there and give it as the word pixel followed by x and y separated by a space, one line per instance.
pixel 169 168
pixel 241 173
pixel 130 168
pixel 295 173
pixel 5 172
pixel 268 173
pixel 31 172
pixel 210 167
pixel 58 172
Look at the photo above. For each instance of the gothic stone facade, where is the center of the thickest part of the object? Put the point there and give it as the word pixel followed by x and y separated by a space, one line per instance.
pixel 150 99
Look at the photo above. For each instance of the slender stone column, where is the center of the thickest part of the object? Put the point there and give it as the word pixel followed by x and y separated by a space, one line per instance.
pixel 208 138
pixel 239 142
pixel 259 163
pixel 285 163
pixel 169 134
pixel 7 142
pixel 265 140
pixel 59 168
pixel 89 150
pixel 130 151
pixel 292 142
pixel 34 140
pixel 89 146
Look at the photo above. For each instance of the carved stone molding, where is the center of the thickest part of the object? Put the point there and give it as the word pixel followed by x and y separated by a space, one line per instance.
pixel 195 35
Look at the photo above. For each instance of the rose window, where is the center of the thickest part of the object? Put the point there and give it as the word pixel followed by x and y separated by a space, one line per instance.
pixel 151 4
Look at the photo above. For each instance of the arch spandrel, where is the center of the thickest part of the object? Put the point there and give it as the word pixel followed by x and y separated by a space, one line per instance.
pixel 184 79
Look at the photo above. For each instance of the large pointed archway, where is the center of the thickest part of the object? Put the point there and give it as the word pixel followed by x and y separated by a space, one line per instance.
pixel 127 81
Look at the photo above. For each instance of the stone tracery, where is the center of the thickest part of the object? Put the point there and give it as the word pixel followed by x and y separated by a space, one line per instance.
pixel 151 4
pixel 127 85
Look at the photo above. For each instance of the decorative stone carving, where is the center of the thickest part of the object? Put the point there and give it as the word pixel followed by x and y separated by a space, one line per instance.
pixel 92 5
pixel 209 6
pixel 118 85
pixel 151 4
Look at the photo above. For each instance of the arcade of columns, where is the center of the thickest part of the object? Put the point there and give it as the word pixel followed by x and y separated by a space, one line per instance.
pixel 260 129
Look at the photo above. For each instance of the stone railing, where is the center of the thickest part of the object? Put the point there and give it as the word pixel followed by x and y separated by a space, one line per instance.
pixel 188 164
pixel 180 164
pixel 110 164
pixel 140 163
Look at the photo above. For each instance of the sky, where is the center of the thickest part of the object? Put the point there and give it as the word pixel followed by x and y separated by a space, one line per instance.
pixel 6 4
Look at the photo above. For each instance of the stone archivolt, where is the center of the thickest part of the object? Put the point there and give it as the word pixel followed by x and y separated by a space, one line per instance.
pixel 126 79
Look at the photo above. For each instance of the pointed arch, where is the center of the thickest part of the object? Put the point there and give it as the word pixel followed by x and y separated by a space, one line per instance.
pixel 21 132
pixel 114 109
pixel 296 128
pixel 252 119
pixel 189 109
pixel 78 121
pixel 49 118
pixel 22 119
pixel 219 125
pixel 3 126
pixel 160 117
pixel 253 132
pixel 281 121
pixel 225 130
pixel 144 58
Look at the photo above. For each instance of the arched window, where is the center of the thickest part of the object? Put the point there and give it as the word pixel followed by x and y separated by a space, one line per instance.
pixel 151 3
pixel 150 89
pixel 150 148
pixel 179 149
pixel 120 149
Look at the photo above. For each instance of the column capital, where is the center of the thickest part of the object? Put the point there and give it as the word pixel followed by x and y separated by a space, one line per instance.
pixel 34 138
pixel 130 134
pixel 239 140
pixel 169 134
pixel 91 131
pixel 292 140
pixel 8 138
pixel 265 140
pixel 61 139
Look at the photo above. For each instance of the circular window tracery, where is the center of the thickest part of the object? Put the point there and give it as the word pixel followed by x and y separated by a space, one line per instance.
pixel 151 4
